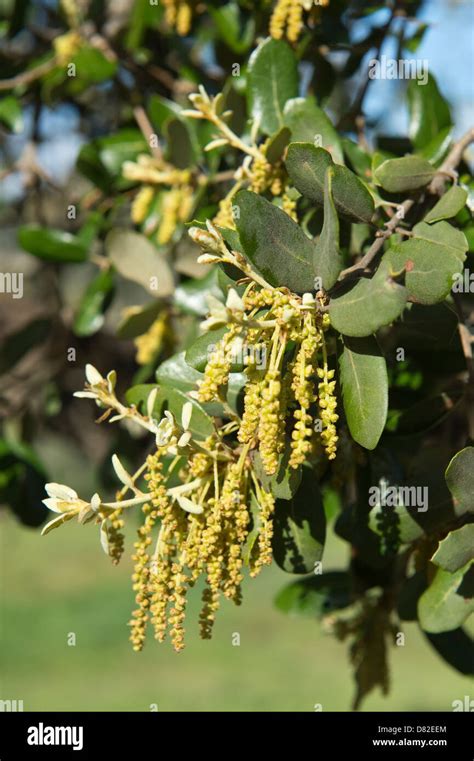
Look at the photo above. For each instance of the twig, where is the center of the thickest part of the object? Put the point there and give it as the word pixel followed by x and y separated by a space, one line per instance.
pixel 451 161
pixel 26 77
pixel 147 130
pixel 437 186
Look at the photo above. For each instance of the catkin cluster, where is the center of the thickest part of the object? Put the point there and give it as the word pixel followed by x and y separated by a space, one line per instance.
pixel 287 17
pixel 209 539
pixel 291 393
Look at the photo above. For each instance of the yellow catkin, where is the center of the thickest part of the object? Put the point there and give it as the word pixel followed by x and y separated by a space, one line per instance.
pixel 150 343
pixel 218 367
pixel 141 204
pixel 294 21
pixel 140 579
pixel 289 206
pixel 327 405
pixel 278 18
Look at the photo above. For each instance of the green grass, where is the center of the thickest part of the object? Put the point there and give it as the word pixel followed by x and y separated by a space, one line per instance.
pixel 63 583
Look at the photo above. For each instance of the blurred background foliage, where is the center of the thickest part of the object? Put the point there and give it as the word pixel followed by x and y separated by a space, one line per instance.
pixel 63 145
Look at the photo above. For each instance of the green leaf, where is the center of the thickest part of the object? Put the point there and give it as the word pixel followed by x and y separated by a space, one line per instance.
pixel 138 396
pixel 327 260
pixel 137 319
pixel 232 28
pixel 191 296
pixel 95 302
pixel 429 112
pixel 307 167
pixel 277 144
pixel 456 549
pixel 432 259
pixel 274 243
pixel 180 149
pixel 448 205
pixel 442 608
pixel 137 259
pixel 436 150
pixel 407 173
pixel 11 114
pixel 460 479
pixel 272 79
pixel 364 380
pixel 285 482
pixel 201 425
pixel 361 161
pixel 307 121
pixel 92 66
pixel 197 355
pixel 300 527
pixel 369 305
pixel 316 595
pixel 52 245
pixel 454 647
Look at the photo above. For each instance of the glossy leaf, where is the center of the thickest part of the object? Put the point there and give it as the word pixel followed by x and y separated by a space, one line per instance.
pixel 274 243
pixel 307 167
pixel 327 260
pixel 52 245
pixel 364 381
pixel 272 79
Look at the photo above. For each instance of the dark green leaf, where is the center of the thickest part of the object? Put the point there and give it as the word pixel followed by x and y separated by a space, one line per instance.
pixel 52 245
pixel 307 167
pixel 137 320
pixel 90 316
pixel 315 595
pixel 285 482
pixel 456 648
pixel 272 79
pixel 11 114
pixel 277 144
pixel 274 243
pixel 300 527
pixel 460 479
pixel 369 305
pixel 364 380
pixel 327 260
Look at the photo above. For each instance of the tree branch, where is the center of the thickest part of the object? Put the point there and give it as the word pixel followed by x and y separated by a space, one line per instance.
pixel 436 186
